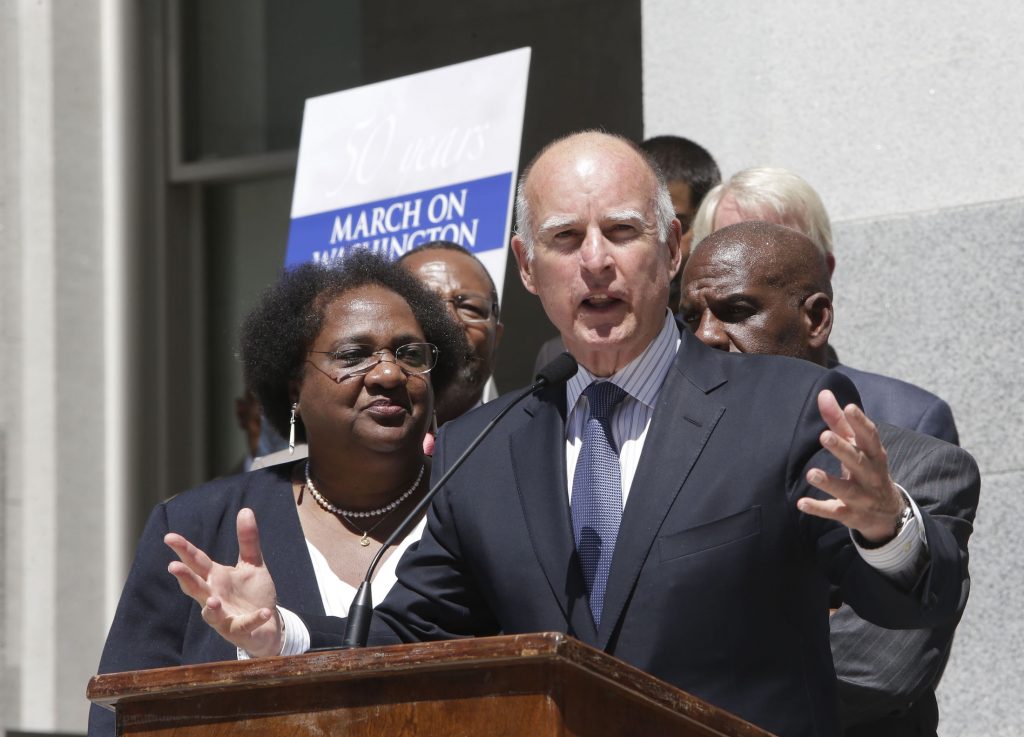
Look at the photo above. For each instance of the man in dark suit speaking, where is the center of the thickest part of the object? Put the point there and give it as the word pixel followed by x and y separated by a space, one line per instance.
pixel 671 504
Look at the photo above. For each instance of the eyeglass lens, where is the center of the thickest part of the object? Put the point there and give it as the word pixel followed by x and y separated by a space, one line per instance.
pixel 354 360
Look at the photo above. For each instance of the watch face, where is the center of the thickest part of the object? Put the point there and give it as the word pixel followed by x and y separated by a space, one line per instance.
pixel 905 516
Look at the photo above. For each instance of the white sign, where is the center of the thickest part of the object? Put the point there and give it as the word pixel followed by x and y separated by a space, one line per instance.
pixel 432 156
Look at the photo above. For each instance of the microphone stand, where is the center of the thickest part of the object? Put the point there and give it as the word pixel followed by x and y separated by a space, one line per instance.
pixel 357 627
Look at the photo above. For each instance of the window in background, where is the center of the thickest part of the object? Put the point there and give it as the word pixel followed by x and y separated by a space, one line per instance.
pixel 234 76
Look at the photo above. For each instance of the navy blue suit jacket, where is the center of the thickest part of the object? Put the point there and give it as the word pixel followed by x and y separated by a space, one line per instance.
pixel 902 404
pixel 718 584
pixel 155 624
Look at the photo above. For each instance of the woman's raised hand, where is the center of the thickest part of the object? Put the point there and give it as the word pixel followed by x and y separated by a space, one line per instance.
pixel 238 601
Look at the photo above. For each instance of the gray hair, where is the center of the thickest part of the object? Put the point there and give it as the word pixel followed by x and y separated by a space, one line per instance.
pixel 777 195
pixel 664 212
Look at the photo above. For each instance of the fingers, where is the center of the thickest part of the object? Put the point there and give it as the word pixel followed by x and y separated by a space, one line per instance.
pixel 850 423
pixel 869 509
pixel 865 431
pixel 847 492
pixel 247 623
pixel 844 450
pixel 243 630
pixel 215 615
pixel 249 550
pixel 190 584
pixel 825 508
pixel 833 414
pixel 862 456
pixel 865 497
pixel 249 631
pixel 189 554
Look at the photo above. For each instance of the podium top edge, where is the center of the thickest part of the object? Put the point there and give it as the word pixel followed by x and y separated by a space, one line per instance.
pixel 109 688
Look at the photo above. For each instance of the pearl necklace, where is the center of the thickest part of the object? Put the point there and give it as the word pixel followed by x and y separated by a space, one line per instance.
pixel 370 513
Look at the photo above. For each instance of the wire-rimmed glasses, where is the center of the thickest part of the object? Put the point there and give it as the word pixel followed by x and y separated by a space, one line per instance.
pixel 358 360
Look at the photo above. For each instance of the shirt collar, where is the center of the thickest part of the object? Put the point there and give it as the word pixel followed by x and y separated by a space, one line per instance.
pixel 642 377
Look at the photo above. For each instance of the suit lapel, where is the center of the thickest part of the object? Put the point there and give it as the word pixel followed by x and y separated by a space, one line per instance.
pixel 540 480
pixel 683 420
pixel 284 547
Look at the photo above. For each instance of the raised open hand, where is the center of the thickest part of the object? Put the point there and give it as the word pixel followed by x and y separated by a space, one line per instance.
pixel 238 601
pixel 864 497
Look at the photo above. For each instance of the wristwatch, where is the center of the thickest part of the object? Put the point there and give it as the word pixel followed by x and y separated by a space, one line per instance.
pixel 905 516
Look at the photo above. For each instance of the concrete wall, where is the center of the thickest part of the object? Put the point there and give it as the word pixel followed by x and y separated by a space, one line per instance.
pixel 907 119
pixel 60 155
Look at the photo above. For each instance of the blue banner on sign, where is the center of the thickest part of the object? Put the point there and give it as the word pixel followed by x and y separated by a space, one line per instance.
pixel 471 214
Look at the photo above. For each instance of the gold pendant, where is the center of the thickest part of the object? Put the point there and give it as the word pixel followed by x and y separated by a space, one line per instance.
pixel 365 541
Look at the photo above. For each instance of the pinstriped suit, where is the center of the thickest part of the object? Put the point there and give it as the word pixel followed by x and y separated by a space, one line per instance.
pixel 887 678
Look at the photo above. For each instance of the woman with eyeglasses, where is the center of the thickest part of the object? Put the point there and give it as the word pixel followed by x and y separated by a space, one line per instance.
pixel 348 360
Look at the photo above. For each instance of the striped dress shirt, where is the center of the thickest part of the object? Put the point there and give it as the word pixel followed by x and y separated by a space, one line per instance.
pixel 641 379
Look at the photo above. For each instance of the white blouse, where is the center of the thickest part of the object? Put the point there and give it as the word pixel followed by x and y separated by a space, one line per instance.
pixel 337 595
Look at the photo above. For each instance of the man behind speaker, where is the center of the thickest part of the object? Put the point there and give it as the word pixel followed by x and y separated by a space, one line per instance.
pixel 780 196
pixel 458 278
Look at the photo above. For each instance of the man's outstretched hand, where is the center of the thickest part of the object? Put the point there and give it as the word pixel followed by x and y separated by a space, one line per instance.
pixel 238 601
pixel 864 497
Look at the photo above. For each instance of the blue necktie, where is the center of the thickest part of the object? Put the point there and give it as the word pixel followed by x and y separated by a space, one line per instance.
pixel 597 493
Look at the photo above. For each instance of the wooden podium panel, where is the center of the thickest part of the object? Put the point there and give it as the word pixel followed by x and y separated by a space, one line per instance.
pixel 541 685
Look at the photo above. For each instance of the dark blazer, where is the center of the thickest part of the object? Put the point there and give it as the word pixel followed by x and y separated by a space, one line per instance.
pixel 155 624
pixel 718 584
pixel 887 678
pixel 902 404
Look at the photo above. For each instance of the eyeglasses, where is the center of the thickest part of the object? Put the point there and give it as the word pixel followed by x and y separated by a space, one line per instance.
pixel 470 309
pixel 358 360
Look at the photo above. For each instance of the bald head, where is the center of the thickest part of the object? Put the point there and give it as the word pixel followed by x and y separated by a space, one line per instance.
pixel 597 241
pixel 585 149
pixel 777 254
pixel 757 287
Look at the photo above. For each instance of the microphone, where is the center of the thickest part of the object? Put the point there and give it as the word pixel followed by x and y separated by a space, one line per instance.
pixel 357 629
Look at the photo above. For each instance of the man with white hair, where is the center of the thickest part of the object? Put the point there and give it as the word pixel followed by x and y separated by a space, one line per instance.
pixel 690 172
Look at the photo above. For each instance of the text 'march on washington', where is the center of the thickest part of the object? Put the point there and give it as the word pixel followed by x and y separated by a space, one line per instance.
pixel 430 156
pixel 468 213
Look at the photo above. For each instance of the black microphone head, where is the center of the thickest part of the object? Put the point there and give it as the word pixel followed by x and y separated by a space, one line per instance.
pixel 562 368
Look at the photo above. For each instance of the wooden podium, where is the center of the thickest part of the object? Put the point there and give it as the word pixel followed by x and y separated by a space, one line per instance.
pixel 537 684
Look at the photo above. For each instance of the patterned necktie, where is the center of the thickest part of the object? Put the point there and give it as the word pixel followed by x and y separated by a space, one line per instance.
pixel 597 493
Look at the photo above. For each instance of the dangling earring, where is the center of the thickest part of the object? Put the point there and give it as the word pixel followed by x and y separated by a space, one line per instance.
pixel 291 429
